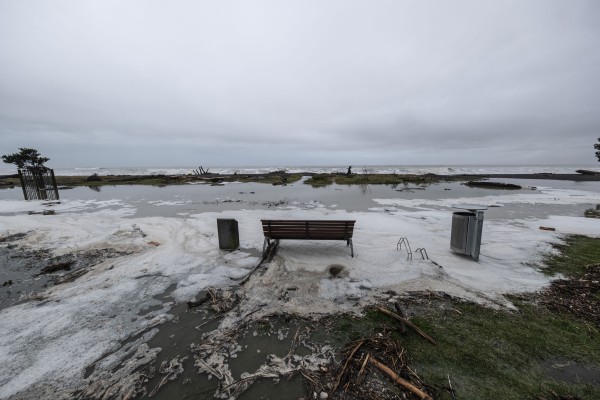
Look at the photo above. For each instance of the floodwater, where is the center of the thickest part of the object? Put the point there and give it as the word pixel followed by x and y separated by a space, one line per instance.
pixel 176 336
pixel 184 200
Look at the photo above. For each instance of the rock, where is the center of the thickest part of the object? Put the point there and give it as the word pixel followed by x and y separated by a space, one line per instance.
pixel 337 271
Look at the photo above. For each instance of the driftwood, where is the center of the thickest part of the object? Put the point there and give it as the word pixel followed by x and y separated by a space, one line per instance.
pixel 362 368
pixel 355 378
pixel 354 350
pixel 408 323
pixel 402 382
pixel 200 171
pixel 267 257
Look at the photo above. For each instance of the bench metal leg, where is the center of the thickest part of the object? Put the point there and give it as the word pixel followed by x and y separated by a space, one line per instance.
pixel 349 242
pixel 266 243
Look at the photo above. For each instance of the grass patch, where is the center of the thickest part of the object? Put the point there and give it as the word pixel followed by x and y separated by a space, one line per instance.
pixel 491 354
pixel 375 179
pixel 161 180
pixel 317 180
pixel 498 354
pixel 574 255
pixel 274 179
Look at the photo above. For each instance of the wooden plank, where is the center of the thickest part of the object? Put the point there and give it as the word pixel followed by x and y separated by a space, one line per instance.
pixel 23 184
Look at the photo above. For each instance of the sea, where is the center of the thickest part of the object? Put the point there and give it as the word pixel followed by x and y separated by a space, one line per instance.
pixel 377 169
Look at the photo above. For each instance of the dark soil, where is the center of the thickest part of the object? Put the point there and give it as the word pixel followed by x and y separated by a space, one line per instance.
pixel 579 297
pixel 493 185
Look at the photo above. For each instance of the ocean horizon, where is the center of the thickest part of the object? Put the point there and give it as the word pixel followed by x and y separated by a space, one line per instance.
pixel 441 169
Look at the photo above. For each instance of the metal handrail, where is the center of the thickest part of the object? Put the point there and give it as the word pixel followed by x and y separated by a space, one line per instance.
pixel 401 241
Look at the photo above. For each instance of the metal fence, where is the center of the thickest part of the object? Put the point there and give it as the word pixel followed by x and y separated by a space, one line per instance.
pixel 38 185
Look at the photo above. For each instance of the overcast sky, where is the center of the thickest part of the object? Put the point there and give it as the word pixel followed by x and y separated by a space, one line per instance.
pixel 226 83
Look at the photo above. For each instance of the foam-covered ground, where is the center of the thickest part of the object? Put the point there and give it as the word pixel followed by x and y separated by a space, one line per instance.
pixel 51 341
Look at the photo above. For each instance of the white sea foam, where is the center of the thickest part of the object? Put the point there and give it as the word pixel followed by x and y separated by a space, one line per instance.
pixel 541 196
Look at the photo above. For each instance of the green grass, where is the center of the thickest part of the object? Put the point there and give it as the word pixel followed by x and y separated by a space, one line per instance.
pixel 492 354
pixel 372 179
pixel 272 179
pixel 496 354
pixel 574 255
pixel 162 180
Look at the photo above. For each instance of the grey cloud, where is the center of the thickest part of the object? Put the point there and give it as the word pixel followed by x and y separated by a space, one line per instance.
pixel 300 82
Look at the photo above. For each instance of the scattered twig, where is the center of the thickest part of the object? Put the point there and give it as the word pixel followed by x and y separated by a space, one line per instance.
pixel 362 368
pixel 407 322
pixel 268 256
pixel 294 343
pixel 339 378
pixel 238 381
pixel 451 390
pixel 308 377
pixel 400 381
pixel 209 321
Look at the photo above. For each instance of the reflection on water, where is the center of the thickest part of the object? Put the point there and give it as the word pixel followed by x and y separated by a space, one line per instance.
pixel 184 200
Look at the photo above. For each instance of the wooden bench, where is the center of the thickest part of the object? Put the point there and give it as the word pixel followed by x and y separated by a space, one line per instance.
pixel 308 230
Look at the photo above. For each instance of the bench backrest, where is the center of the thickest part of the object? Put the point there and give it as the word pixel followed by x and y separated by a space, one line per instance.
pixel 308 229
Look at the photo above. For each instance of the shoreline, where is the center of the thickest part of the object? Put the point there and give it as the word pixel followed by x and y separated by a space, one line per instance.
pixel 284 178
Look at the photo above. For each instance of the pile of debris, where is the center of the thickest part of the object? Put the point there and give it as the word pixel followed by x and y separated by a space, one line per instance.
pixel 371 363
pixel 577 296
pixel 592 213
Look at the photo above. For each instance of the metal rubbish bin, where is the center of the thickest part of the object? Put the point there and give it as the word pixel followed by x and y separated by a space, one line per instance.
pixel 467 227
pixel 229 236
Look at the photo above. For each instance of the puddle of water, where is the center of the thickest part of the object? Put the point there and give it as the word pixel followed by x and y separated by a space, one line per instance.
pixel 572 372
pixel 257 341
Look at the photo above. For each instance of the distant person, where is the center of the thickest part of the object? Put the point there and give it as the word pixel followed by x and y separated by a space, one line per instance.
pixel 349 170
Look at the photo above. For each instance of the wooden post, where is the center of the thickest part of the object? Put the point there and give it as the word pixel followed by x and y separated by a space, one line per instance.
pixel 40 187
pixel 54 184
pixel 23 186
